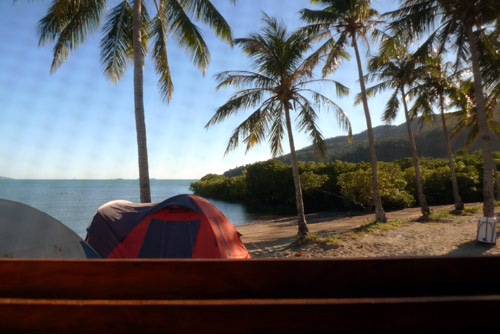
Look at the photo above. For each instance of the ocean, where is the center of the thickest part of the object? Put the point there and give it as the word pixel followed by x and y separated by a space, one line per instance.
pixel 74 202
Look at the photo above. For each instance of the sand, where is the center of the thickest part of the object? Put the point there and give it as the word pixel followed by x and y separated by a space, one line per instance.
pixel 341 235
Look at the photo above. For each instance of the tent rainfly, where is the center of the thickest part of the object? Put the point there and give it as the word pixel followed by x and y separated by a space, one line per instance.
pixel 26 232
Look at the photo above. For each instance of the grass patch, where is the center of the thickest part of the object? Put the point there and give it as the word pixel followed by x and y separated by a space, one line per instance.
pixel 333 239
pixel 313 237
pixel 352 235
pixel 470 210
pixel 372 227
pixel 440 215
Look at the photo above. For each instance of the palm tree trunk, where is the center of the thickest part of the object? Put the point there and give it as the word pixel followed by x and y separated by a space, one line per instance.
pixel 418 177
pixel 302 224
pixel 140 122
pixel 377 202
pixel 459 205
pixel 488 196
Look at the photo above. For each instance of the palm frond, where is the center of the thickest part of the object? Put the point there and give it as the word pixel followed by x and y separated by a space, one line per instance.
pixel 494 126
pixel 308 64
pixel 340 89
pixel 241 79
pixel 241 100
pixel 373 90
pixel 256 127
pixel 204 11
pixel 160 56
pixel 391 108
pixel 423 106
pixel 276 134
pixel 145 32
pixel 69 23
pixel 317 31
pixel 415 18
pixel 322 101
pixel 253 129
pixel 461 47
pixel 307 122
pixel 317 16
pixel 472 136
pixel 117 41
pixel 187 34
pixel 335 56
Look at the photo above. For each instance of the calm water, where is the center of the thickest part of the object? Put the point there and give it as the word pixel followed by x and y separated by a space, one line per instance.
pixel 74 202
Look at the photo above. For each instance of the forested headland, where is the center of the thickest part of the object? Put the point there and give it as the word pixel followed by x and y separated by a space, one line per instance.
pixel 343 182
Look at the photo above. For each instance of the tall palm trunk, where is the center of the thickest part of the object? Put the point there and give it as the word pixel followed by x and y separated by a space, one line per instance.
pixel 140 122
pixel 418 177
pixel 488 196
pixel 302 224
pixel 377 202
pixel 459 205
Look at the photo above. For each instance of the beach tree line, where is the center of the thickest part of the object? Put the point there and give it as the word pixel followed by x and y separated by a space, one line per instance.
pixel 339 185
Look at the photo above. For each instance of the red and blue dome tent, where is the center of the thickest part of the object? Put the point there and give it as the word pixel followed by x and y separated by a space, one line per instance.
pixel 183 226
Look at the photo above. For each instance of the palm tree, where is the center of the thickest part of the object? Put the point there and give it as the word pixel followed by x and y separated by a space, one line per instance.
pixel 127 32
pixel 397 69
pixel 436 84
pixel 279 86
pixel 348 20
pixel 464 23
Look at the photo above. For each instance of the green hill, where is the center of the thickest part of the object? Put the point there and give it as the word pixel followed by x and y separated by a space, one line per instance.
pixel 391 143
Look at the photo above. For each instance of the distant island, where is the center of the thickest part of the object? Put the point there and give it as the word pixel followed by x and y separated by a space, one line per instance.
pixel 5 178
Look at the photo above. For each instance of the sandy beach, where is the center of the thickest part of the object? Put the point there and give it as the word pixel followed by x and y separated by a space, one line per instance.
pixel 350 234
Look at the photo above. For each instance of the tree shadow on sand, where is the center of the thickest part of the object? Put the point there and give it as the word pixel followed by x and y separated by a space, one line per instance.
pixel 471 248
pixel 271 248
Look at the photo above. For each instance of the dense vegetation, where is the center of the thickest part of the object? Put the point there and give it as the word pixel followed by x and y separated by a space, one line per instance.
pixel 346 185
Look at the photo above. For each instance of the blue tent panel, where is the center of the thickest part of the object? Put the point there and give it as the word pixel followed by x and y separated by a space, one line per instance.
pixel 169 239
pixel 89 252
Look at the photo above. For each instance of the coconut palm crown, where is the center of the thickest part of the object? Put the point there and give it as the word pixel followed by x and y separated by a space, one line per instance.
pixel 279 85
pixel 128 31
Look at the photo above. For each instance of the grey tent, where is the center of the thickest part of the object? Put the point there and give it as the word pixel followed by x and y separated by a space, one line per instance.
pixel 26 232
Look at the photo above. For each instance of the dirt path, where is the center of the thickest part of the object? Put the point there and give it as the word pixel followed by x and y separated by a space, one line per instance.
pixel 338 235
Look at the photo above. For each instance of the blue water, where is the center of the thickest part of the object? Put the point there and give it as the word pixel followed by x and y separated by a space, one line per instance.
pixel 74 202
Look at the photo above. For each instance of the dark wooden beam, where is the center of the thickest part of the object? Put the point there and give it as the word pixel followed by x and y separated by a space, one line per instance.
pixel 209 279
pixel 410 295
pixel 404 315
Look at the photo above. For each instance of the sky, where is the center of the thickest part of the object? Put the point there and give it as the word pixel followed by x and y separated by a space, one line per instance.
pixel 75 124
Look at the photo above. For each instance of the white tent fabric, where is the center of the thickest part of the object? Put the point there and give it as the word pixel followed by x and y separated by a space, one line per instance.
pixel 26 232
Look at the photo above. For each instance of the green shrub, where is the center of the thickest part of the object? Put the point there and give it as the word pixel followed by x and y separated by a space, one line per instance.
pixel 357 187
pixel 270 182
